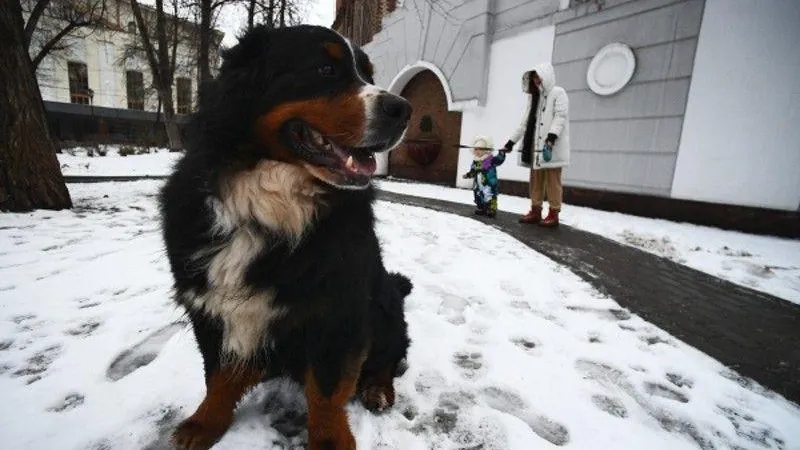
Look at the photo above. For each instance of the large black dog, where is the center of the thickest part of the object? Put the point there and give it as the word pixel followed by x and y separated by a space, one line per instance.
pixel 269 228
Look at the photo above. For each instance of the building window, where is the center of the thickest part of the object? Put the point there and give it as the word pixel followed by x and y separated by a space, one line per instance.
pixel 78 83
pixel 132 27
pixel 184 95
pixel 135 87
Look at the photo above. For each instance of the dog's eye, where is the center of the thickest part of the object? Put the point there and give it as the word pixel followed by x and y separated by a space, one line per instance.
pixel 327 71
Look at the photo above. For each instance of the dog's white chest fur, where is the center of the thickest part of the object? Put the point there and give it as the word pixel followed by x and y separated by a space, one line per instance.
pixel 278 196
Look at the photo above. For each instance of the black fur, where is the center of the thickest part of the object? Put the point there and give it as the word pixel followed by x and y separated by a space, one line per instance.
pixel 339 298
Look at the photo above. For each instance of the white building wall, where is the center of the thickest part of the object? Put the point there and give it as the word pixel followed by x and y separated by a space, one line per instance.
pixel 102 52
pixel 106 92
pixel 505 102
pixel 741 137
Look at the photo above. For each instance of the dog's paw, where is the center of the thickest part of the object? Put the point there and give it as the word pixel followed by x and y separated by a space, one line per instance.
pixel 195 435
pixel 378 398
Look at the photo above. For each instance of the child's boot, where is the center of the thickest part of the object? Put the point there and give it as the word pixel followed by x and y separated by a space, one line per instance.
pixel 491 211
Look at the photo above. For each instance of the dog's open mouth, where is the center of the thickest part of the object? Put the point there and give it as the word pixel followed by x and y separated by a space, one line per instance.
pixel 347 166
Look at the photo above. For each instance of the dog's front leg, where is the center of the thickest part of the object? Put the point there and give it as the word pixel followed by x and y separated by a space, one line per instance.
pixel 225 386
pixel 328 389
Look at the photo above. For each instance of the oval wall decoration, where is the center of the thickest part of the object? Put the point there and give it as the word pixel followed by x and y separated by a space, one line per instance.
pixel 611 69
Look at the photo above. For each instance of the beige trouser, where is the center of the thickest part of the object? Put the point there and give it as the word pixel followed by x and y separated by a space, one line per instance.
pixel 546 182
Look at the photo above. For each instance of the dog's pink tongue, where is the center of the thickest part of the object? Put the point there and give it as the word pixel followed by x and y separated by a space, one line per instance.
pixel 366 166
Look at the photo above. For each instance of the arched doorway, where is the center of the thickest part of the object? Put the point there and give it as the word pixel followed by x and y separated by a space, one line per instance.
pixel 428 153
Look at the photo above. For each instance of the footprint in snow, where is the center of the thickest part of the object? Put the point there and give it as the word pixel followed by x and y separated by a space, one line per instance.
pixel 659 390
pixel 406 407
pixel 512 403
pixel 286 408
pixel 452 307
pixel 85 329
pixel 610 405
pixel 21 319
pixel 38 364
pixel 502 400
pixel 680 380
pixel 512 289
pixel 521 305
pixel 6 344
pixel 450 423
pixel 142 353
pixel 613 378
pixel 746 383
pixel 525 344
pixel 144 291
pixel 71 401
pixel 88 305
pixel 470 363
pixel 48 275
pixel 594 338
pixel 428 381
pixel 752 430
pixel 163 418
pixel 654 339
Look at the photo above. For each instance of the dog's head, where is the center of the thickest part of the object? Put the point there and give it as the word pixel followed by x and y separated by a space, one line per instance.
pixel 309 101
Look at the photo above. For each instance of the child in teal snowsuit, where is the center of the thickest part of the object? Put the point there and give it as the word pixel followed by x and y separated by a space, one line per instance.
pixel 483 171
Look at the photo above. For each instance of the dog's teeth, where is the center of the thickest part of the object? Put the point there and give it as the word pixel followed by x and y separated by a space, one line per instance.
pixel 350 163
pixel 317 137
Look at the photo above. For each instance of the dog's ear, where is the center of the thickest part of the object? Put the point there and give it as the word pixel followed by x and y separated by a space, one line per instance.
pixel 365 67
pixel 250 47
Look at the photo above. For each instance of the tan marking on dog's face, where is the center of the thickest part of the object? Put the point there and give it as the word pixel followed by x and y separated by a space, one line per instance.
pixel 335 50
pixel 341 119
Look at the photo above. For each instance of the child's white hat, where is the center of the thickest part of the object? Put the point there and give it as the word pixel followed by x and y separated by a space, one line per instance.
pixel 483 142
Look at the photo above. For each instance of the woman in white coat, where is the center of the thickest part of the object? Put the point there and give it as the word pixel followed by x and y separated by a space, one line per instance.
pixel 544 131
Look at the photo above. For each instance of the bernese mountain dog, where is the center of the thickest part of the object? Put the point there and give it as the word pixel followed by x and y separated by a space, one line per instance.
pixel 269 230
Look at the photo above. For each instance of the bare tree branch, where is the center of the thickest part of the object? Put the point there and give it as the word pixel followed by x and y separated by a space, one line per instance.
pixel 146 42
pixel 33 21
pixel 52 43
pixel 53 20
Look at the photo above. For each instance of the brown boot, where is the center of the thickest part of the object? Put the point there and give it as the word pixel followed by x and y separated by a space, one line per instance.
pixel 534 216
pixel 551 221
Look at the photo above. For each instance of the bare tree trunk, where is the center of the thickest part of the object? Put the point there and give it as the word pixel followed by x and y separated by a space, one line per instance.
pixel 30 176
pixel 271 14
pixel 251 14
pixel 161 66
pixel 283 13
pixel 204 67
pixel 170 122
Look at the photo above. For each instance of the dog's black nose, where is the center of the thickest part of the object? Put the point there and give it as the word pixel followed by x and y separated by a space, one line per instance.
pixel 395 107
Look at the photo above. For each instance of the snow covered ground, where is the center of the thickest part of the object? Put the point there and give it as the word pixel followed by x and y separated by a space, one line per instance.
pixel 158 162
pixel 510 350
pixel 764 263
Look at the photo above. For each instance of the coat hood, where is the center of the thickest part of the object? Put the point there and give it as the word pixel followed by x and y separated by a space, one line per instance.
pixel 545 72
pixel 483 142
